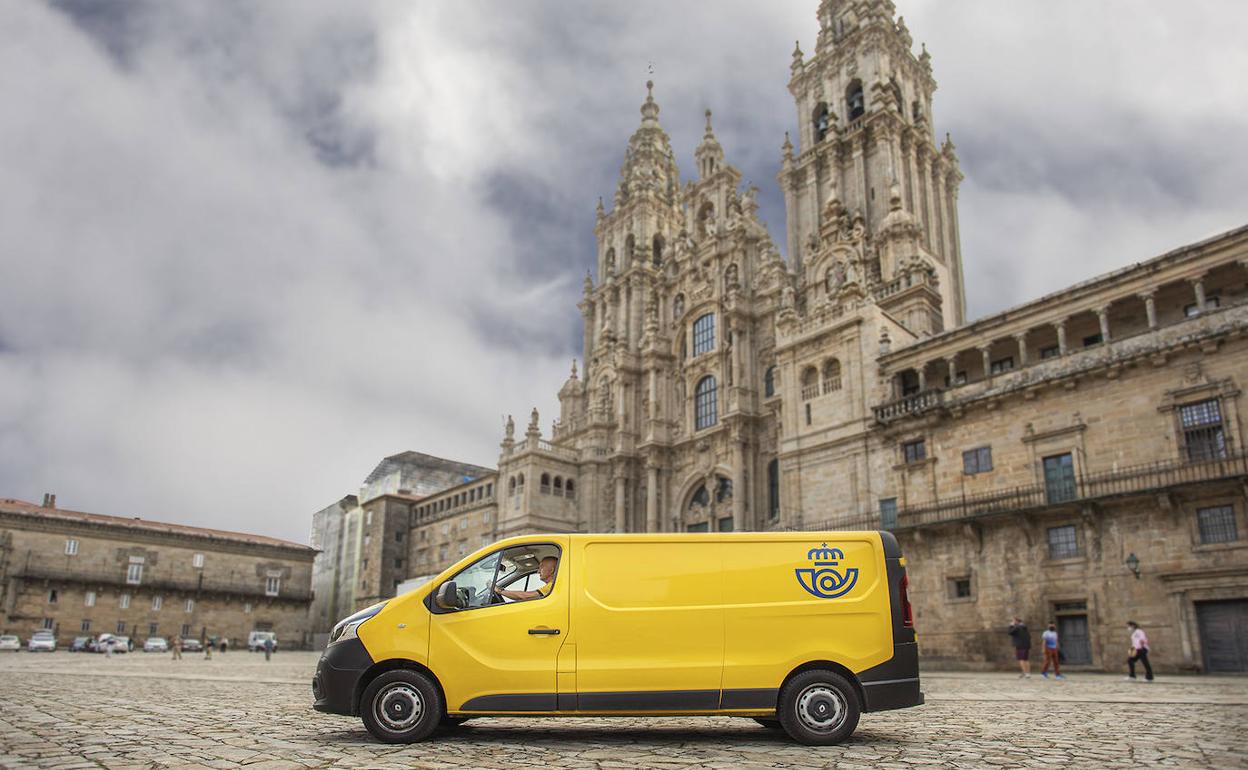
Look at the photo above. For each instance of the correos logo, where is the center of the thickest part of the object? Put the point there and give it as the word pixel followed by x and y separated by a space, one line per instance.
pixel 823 579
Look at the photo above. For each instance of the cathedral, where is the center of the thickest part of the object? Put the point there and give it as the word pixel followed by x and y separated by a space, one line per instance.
pixel 1075 460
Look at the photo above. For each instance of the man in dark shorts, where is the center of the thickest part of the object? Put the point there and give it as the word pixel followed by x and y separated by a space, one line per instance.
pixel 1021 638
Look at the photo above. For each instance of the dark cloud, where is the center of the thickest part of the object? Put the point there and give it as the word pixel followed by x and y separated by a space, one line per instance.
pixel 248 249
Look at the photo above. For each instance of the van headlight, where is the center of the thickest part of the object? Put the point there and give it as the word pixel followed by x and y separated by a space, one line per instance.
pixel 346 629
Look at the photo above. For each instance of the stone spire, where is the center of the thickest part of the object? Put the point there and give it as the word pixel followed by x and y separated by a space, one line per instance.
pixel 649 163
pixel 709 155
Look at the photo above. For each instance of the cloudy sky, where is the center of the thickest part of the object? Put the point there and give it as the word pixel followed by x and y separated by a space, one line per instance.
pixel 248 249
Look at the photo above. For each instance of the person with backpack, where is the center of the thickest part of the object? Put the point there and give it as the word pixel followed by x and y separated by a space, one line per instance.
pixel 1021 639
pixel 1138 652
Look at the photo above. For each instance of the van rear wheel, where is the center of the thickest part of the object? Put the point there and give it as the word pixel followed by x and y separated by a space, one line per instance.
pixel 401 707
pixel 819 708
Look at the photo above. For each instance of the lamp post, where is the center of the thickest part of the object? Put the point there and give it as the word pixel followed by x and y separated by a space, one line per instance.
pixel 1133 564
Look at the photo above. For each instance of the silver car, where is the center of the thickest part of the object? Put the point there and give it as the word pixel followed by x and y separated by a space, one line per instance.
pixel 155 644
pixel 10 642
pixel 42 641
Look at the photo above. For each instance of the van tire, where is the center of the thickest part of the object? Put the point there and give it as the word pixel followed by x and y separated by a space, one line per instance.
pixel 401 706
pixel 819 708
pixel 770 724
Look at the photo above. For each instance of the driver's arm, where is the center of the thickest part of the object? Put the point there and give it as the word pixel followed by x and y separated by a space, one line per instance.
pixel 517 595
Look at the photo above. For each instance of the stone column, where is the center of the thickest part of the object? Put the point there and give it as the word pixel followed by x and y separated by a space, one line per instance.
pixel 636 301
pixel 952 363
pixel 1021 339
pixel 1060 326
pixel 922 373
pixel 652 498
pixel 738 489
pixel 1102 315
pixel 1150 306
pixel 1198 285
pixel 986 352
pixel 621 521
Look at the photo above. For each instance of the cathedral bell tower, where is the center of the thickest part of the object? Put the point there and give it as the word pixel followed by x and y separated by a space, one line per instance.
pixel 867 156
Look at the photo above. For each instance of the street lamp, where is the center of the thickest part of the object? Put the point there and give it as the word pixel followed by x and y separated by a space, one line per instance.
pixel 1133 564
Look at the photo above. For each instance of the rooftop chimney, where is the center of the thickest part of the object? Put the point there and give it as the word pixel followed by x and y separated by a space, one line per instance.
pixel 49 500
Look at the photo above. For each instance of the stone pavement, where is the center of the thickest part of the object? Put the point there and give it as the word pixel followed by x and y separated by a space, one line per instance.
pixel 145 711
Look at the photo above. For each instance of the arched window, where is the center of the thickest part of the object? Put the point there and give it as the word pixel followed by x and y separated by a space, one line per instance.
pixel 511 485
pixel 855 102
pixel 810 383
pixel 700 498
pixel 558 486
pixel 769 382
pixel 610 262
pixel 831 375
pixel 520 482
pixel 705 404
pixel 773 489
pixel 723 490
pixel 544 487
pixel 657 251
pixel 569 491
pixel 821 121
pixel 704 334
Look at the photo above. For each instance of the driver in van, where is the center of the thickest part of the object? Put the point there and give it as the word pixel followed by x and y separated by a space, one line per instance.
pixel 545 571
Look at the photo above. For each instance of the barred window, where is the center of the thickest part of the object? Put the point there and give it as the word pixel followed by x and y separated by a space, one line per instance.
pixel 706 403
pixel 1217 524
pixel 1063 542
pixel 977 460
pixel 704 334
pixel 914 451
pixel 1203 435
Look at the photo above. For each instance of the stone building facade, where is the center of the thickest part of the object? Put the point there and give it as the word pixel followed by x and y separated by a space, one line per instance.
pixel 81 574
pixel 1075 459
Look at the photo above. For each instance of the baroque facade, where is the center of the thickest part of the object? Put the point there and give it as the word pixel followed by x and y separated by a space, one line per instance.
pixel 1076 459
pixel 85 574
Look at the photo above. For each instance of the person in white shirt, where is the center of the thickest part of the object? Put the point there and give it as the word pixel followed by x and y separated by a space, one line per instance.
pixel 1138 652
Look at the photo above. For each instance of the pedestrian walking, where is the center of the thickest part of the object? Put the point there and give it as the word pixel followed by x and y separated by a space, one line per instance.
pixel 1021 639
pixel 1052 653
pixel 268 648
pixel 177 648
pixel 207 649
pixel 225 645
pixel 1138 652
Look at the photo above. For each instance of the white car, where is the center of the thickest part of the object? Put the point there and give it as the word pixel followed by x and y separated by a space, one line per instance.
pixel 155 644
pixel 10 642
pixel 42 641
pixel 110 643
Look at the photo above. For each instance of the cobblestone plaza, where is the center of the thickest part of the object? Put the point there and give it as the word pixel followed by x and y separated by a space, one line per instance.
pixel 147 711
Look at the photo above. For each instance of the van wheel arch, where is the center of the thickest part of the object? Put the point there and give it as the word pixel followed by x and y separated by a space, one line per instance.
pixel 393 664
pixel 825 665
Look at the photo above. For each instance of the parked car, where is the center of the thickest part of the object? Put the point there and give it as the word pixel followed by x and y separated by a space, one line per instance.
pixel 256 640
pixel 125 644
pixel 10 642
pixel 191 645
pixel 156 644
pixel 108 642
pixel 42 641
pixel 82 644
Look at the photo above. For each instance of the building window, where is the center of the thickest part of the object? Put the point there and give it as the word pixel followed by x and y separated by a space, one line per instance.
pixel 821 121
pixel 85 627
pixel 855 101
pixel 89 599
pixel 190 605
pixel 463 524
pixel 544 484
pixel 914 451
pixel 705 404
pixel 704 334
pixel 134 572
pixel 1092 340
pixel 569 491
pixel 485 518
pixel 1203 436
pixel 558 486
pixel 977 460
pixel 124 602
pixel 186 629
pixel 121 627
pixel 368 518
pixel 158 602
pixel 1002 365
pixel 1063 543
pixel 1193 309
pixel 701 526
pixel 808 419
pixel 52 596
pixel 769 382
pixel 151 629
pixel 272 585
pixel 1059 479
pixel 888 513
pixel 197 561
pixel 810 383
pixel 773 489
pixel 1050 352
pixel 959 587
pixel 1217 524
pixel 831 376
pixel 398 536
pixel 725 524
pixel 246 608
pixel 71 547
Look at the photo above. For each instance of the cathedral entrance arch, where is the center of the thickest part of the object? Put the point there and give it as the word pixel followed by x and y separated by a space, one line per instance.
pixel 706 502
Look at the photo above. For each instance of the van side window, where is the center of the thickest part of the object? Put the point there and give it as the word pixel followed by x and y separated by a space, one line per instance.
pixel 475 583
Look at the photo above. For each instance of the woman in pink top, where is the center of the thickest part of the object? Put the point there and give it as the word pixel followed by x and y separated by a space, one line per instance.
pixel 1139 652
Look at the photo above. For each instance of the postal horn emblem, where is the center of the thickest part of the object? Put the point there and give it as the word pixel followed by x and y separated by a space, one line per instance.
pixel 823 579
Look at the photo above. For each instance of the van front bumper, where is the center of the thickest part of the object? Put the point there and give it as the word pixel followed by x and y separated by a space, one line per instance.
pixel 337 673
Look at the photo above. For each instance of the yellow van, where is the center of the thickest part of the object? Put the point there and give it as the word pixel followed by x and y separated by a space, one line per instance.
pixel 797 630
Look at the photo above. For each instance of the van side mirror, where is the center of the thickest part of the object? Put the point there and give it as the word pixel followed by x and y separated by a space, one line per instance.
pixel 447 597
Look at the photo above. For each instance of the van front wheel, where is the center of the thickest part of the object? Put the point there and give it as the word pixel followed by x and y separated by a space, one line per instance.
pixel 819 708
pixel 401 707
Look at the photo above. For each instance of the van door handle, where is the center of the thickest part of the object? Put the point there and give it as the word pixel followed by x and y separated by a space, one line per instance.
pixel 547 631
